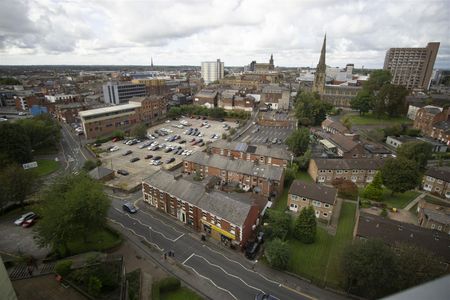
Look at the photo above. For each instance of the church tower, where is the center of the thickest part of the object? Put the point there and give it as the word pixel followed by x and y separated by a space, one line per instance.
pixel 319 77
pixel 271 65
pixel 151 65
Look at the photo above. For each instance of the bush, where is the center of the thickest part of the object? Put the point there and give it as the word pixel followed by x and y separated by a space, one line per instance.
pixel 63 267
pixel 89 165
pixel 169 284
pixel 279 224
pixel 277 253
pixel 94 286
pixel 155 291
pixel 384 213
pixel 346 188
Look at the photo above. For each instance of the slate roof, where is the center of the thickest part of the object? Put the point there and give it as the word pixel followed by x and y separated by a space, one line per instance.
pixel 231 207
pixel 207 93
pixel 346 143
pixel 336 125
pixel 238 166
pixel 313 191
pixel 100 172
pixel 262 150
pixel 393 232
pixel 349 164
pixel 444 125
pixel 442 173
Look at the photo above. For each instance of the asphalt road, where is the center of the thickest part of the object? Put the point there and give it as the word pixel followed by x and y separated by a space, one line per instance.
pixel 231 273
pixel 73 154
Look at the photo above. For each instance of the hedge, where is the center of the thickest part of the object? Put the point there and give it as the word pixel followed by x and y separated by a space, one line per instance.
pixel 63 267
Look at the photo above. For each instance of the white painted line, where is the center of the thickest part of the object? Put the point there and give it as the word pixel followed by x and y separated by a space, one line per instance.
pixel 229 274
pixel 143 237
pixel 188 258
pixel 155 218
pixel 220 288
pixel 264 277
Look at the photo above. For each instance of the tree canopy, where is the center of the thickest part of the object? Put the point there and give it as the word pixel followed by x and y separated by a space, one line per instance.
pixel 310 109
pixel 305 226
pixel 139 131
pixel 374 190
pixel 277 253
pixel 400 174
pixel 298 141
pixel 418 151
pixel 71 207
pixel 15 184
pixel 15 146
pixel 279 224
pixel 391 101
pixel 43 131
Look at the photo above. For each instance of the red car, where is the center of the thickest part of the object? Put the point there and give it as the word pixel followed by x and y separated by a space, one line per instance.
pixel 115 139
pixel 29 222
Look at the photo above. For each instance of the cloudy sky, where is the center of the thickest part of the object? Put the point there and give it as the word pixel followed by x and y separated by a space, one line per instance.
pixel 176 32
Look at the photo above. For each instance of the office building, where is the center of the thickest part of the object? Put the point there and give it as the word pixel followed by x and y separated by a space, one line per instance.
pixel 212 71
pixel 412 67
pixel 120 92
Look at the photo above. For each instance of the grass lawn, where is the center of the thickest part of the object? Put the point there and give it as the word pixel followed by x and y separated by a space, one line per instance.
pixel 281 202
pixel 180 294
pixel 100 240
pixel 397 200
pixel 45 167
pixel 311 260
pixel 369 119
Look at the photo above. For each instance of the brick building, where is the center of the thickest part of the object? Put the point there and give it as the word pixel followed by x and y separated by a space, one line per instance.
pixel 427 116
pixel 342 145
pixel 260 153
pixel 103 121
pixel 206 98
pixel 277 97
pixel 262 179
pixel 441 132
pixel 359 171
pixel 437 180
pixel 333 127
pixel 68 113
pixel 228 217
pixel 433 216
pixel 321 198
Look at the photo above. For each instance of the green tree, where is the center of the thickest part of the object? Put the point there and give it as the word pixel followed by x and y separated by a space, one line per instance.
pixel 216 113
pixel 72 207
pixel 277 254
pixel 15 146
pixel 174 112
pixel 16 183
pixel 279 224
pixel 363 101
pixel 370 269
pixel 305 226
pixel 374 190
pixel 347 122
pixel 419 151
pixel 377 79
pixel 400 174
pixel 303 161
pixel 391 99
pixel 89 165
pixel 140 131
pixel 298 141
pixel 9 81
pixel 94 286
pixel 118 134
pixel 291 173
pixel 310 109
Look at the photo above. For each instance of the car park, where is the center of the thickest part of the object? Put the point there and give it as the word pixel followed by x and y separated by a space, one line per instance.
pixel 122 172
pixel 145 144
pixel 128 152
pixel 170 160
pixel 148 156
pixel 134 159
pixel 25 217
pixel 129 208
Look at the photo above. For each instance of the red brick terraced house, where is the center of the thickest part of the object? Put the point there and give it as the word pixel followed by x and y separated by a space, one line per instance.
pixel 227 217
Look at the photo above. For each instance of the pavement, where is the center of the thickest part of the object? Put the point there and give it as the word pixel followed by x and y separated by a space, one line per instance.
pixel 213 271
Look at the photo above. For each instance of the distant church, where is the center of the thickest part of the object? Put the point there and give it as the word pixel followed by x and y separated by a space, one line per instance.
pixel 261 67
pixel 337 95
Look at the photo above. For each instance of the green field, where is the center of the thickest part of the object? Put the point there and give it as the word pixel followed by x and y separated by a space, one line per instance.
pixel 369 119
pixel 180 294
pixel 100 240
pixel 321 261
pixel 46 167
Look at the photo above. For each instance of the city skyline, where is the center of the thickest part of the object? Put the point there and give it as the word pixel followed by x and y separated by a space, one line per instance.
pixel 187 33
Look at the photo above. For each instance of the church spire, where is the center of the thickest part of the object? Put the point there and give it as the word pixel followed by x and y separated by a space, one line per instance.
pixel 271 64
pixel 151 65
pixel 320 75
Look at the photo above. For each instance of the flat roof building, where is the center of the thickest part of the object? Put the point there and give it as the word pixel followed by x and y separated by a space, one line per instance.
pixel 120 92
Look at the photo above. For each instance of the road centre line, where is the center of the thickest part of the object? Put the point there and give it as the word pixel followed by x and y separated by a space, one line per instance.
pixel 159 220
pixel 143 237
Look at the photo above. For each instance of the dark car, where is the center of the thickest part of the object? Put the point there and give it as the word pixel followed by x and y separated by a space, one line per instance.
pixel 134 159
pixel 122 172
pixel 251 250
pixel 157 158
pixel 170 160
pixel 130 208
pixel 168 150
pixel 182 142
pixel 128 152
pixel 262 296
pixel 148 156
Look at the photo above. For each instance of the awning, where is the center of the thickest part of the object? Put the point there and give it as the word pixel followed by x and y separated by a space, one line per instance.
pixel 220 230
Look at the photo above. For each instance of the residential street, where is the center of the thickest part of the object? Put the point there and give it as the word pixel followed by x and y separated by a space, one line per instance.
pixel 225 271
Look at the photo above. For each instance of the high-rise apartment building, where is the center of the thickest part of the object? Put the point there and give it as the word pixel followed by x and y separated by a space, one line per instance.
pixel 212 71
pixel 411 67
pixel 120 92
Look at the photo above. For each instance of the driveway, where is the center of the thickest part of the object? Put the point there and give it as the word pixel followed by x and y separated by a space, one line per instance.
pixel 17 240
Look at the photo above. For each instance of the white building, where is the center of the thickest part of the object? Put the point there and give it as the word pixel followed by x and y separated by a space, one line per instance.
pixel 120 92
pixel 212 71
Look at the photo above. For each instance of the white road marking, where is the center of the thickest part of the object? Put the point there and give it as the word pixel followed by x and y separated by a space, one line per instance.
pixel 188 258
pixel 210 280
pixel 264 277
pixel 149 227
pixel 141 236
pixel 229 274
pixel 161 221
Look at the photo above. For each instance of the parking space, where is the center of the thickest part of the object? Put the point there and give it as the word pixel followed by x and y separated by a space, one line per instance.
pixel 258 134
pixel 16 239
pixel 163 140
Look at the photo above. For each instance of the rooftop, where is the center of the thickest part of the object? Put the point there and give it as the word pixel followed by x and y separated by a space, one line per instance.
pixel 442 173
pixel 313 191
pixel 262 150
pixel 348 164
pixel 109 109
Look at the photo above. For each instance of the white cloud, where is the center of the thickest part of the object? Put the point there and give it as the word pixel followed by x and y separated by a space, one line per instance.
pixel 187 32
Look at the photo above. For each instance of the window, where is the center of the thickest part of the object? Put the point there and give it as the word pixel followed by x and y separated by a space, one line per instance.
pixel 203 215
pixel 326 205
pixel 440 227
pixel 316 203
pixel 325 214
pixel 233 229
pixel 433 226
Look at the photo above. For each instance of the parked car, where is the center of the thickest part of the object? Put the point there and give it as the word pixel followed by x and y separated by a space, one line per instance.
pixel 128 152
pixel 115 139
pixel 262 296
pixel 182 142
pixel 134 159
pixel 30 222
pixel 148 156
pixel 170 160
pixel 123 172
pixel 24 218
pixel 157 163
pixel 114 148
pixel 157 158
pixel 251 250
pixel 129 208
